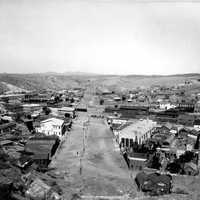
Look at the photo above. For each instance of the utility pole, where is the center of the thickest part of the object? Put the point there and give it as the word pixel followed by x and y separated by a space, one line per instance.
pixel 84 127
pixel 85 124
pixel 80 165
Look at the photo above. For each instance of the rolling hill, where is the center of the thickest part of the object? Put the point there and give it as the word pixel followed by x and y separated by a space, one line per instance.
pixel 37 81
pixel 57 81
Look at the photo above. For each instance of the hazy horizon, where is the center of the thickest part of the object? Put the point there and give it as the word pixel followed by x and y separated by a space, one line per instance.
pixel 100 74
pixel 99 36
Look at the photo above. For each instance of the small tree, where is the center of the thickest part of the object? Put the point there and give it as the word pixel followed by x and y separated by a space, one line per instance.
pixel 72 100
pixel 46 110
pixel 67 115
pixel 196 146
pixel 5 99
pixel 123 98
pixel 18 116
pixel 101 102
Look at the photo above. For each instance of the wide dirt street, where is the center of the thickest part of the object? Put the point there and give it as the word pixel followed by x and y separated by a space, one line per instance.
pixel 99 170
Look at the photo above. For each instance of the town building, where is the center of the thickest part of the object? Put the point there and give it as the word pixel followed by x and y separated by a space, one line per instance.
pixel 43 148
pixel 197 124
pixel 31 107
pixel 117 125
pixel 8 97
pixel 185 119
pixel 52 126
pixel 35 97
pixel 166 105
pixel 197 107
pixel 67 112
pixel 186 107
pixel 7 127
pixel 132 111
pixel 103 91
pixel 14 107
pixel 138 132
pixel 137 161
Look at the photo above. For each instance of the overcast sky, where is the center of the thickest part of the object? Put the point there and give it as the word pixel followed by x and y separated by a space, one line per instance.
pixel 101 36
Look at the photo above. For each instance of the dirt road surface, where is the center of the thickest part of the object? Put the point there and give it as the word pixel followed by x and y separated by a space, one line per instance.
pixel 99 170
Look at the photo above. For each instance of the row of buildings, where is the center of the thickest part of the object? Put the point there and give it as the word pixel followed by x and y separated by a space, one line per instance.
pixel 32 127
pixel 157 128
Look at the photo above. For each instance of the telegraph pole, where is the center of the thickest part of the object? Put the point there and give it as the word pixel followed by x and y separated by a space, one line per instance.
pixel 80 165
pixel 85 125
pixel 84 138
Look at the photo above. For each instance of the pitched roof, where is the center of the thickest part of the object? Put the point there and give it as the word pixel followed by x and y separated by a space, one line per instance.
pixel 66 109
pixel 139 127
pixel 40 148
pixel 53 120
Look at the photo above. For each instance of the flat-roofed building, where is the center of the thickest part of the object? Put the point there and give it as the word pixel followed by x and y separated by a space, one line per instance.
pixel 43 148
pixel 31 107
pixel 67 111
pixel 137 161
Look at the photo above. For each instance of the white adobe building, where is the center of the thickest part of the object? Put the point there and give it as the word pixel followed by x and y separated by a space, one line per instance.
pixel 52 126
pixel 119 123
pixel 166 105
pixel 138 131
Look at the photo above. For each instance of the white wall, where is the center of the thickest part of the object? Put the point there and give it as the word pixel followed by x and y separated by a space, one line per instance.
pixel 50 129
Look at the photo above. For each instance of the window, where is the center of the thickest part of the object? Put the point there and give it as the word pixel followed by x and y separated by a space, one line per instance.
pixel 131 142
pixel 127 142
pixel 122 141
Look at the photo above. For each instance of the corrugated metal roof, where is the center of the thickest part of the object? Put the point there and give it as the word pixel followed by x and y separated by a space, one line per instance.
pixel 139 127
pixel 66 109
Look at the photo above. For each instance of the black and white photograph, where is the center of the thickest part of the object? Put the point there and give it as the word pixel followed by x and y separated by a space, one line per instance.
pixel 99 99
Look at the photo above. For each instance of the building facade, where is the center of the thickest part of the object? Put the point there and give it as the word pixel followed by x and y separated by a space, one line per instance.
pixel 137 132
pixel 52 126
